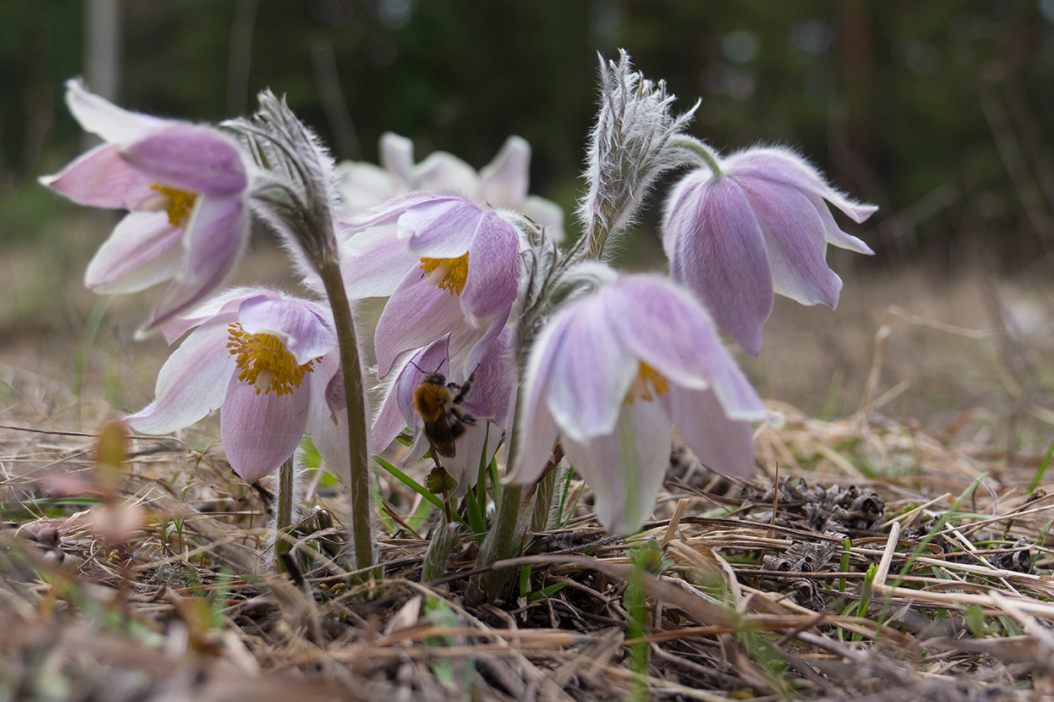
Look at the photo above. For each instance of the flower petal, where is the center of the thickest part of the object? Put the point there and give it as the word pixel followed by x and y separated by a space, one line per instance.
pixel 783 165
pixel 417 313
pixel 363 185
pixel 189 157
pixel 794 239
pixel 193 382
pixel 99 116
pixel 225 304
pixel 493 384
pixel 397 157
pixel 442 228
pixel 374 262
pixel 716 248
pixel 665 327
pixel 493 269
pixel 443 171
pixel 723 444
pixel 833 233
pixel 505 180
pixel 590 373
pixel 259 432
pixel 143 250
pixel 215 236
pixel 101 178
pixel 625 487
pixel 300 325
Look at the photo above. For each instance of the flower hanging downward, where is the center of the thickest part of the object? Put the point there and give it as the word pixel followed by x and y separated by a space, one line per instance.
pixel 611 373
pixel 265 360
pixel 449 266
pixel 186 188
pixel 760 226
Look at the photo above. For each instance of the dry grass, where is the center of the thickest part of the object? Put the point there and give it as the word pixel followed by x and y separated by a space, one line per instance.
pixel 941 592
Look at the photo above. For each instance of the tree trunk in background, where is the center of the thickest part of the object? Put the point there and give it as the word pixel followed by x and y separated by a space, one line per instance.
pixel 102 47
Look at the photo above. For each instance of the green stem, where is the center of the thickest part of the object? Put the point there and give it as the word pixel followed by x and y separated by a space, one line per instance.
pixel 284 509
pixel 698 148
pixel 359 481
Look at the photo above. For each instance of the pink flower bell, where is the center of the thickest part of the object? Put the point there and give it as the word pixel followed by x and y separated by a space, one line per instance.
pixel 611 374
pixel 759 227
pixel 186 188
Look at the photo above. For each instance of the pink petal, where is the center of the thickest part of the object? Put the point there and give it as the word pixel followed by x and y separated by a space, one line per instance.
pixel 625 487
pixel 397 157
pixel 785 166
pixel 363 185
pixel 723 444
pixel 189 157
pixel 443 171
pixel 470 343
pixel 590 374
pixel 374 262
pixel 717 250
pixel 442 228
pixel 833 233
pixel 417 314
pixel 546 213
pixel 215 236
pixel 110 122
pixel 794 239
pixel 505 180
pixel 101 178
pixel 143 250
pixel 224 304
pixel 259 432
pixel 300 325
pixel 193 382
pixel 493 269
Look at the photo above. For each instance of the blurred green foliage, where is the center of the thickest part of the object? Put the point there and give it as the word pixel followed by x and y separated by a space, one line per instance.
pixel 938 111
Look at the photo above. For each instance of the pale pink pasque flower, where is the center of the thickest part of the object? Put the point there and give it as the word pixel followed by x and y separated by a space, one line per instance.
pixel 611 374
pixel 265 361
pixel 759 227
pixel 448 266
pixel 186 188
pixel 504 182
pixel 487 401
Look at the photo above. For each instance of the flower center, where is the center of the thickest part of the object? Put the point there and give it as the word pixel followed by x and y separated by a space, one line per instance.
pixel 447 273
pixel 178 203
pixel 648 385
pixel 265 363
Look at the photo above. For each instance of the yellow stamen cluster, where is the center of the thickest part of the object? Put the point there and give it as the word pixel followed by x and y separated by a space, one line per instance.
pixel 648 385
pixel 447 273
pixel 179 203
pixel 265 363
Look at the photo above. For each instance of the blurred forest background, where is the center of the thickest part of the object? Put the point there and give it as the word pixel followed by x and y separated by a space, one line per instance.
pixel 941 112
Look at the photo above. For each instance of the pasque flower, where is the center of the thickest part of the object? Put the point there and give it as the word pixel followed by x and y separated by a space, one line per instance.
pixel 501 183
pixel 449 267
pixel 611 373
pixel 265 360
pixel 185 185
pixel 759 226
pixel 486 401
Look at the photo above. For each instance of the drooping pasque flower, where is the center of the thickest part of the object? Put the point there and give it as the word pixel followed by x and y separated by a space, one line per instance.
pixel 449 267
pixel 759 227
pixel 501 183
pixel 264 360
pixel 612 373
pixel 487 401
pixel 185 186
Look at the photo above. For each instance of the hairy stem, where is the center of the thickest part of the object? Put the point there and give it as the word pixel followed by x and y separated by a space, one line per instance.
pixel 699 149
pixel 284 509
pixel 361 510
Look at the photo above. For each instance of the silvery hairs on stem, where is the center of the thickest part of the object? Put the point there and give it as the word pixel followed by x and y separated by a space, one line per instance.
pixel 297 196
pixel 629 147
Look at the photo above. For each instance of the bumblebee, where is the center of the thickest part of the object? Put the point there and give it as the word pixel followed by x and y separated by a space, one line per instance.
pixel 439 404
